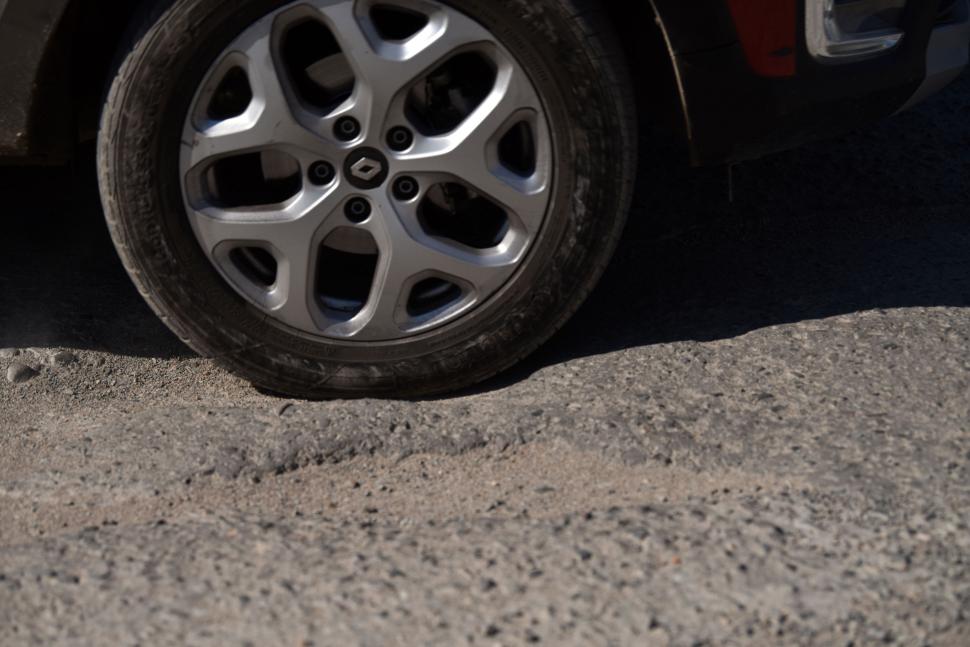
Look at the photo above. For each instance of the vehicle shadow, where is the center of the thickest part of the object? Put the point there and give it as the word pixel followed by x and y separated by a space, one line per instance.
pixel 876 219
pixel 61 282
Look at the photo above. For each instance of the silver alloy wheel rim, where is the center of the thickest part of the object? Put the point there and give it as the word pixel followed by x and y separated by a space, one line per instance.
pixel 409 253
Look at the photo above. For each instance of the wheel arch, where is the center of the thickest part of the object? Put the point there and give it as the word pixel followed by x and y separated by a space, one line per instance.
pixel 57 81
pixel 646 42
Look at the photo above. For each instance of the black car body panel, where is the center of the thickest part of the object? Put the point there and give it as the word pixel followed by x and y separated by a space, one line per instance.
pixel 729 109
pixel 29 53
pixel 733 112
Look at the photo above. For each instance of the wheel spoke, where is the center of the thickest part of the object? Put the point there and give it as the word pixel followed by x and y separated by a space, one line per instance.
pixel 300 218
pixel 267 123
pixel 216 228
pixel 422 253
pixel 380 316
pixel 296 284
pixel 404 257
pixel 464 152
pixel 291 247
pixel 293 235
pixel 480 271
pixel 385 69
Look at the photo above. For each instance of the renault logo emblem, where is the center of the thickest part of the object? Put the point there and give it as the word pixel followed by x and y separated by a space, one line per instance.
pixel 366 169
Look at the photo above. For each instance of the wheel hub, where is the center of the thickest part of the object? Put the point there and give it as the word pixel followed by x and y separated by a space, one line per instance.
pixel 366 168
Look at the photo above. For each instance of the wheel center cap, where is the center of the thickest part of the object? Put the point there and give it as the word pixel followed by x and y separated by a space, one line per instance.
pixel 366 168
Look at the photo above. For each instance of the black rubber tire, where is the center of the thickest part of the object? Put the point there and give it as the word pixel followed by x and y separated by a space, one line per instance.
pixel 566 48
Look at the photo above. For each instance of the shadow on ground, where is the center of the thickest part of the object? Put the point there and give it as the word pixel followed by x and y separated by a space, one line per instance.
pixel 877 219
pixel 61 282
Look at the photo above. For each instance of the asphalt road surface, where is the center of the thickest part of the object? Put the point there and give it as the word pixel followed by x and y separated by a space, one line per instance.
pixel 756 432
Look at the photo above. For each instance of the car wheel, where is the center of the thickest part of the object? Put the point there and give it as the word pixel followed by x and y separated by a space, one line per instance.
pixel 338 198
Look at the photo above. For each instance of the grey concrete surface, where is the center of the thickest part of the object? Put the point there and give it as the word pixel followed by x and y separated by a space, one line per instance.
pixel 756 432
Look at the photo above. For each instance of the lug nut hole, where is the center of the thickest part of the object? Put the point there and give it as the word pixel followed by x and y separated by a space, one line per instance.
pixel 400 139
pixel 406 188
pixel 357 210
pixel 347 129
pixel 322 173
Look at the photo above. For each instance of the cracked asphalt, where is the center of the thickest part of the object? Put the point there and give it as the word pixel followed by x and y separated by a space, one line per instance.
pixel 756 432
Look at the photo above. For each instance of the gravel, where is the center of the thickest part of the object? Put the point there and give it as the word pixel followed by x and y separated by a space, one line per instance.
pixel 63 358
pixel 757 432
pixel 18 373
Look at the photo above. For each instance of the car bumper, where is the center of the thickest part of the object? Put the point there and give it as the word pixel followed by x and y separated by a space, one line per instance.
pixel 947 54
